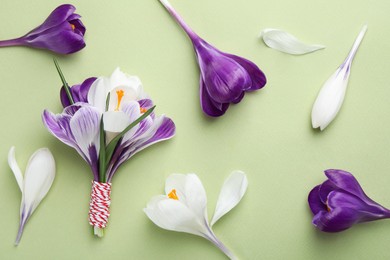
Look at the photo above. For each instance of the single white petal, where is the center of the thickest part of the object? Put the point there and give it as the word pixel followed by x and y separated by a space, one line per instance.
pixel 98 92
pixel 330 99
pixel 231 193
pixel 173 215
pixel 331 95
pixel 285 42
pixel 190 191
pixel 39 176
pixel 15 168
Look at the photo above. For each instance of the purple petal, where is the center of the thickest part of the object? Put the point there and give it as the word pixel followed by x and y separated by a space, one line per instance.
pixel 346 181
pixel 315 204
pixel 257 76
pixel 62 40
pixel 223 77
pixel 145 103
pixel 59 126
pixel 364 212
pixel 79 92
pixel 337 220
pixel 209 107
pixel 325 189
pixel 57 16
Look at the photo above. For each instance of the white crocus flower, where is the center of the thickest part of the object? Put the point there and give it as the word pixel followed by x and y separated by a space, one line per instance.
pixel 331 96
pixel 38 178
pixel 184 207
pixel 124 90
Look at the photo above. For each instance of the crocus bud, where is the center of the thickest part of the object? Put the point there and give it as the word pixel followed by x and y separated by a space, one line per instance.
pixel 62 32
pixel 224 78
pixel 340 202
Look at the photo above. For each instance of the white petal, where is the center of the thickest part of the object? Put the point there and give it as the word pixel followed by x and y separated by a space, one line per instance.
pixel 173 215
pixel 331 96
pixel 120 79
pixel 39 176
pixel 190 191
pixel 15 168
pixel 231 193
pixel 330 99
pixel 98 92
pixel 285 42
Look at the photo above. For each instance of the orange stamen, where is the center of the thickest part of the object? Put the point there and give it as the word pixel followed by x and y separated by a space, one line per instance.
pixel 120 94
pixel 173 195
pixel 142 110
pixel 72 26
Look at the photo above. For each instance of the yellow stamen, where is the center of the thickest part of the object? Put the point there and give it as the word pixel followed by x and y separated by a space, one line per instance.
pixel 173 195
pixel 120 94
pixel 72 26
pixel 143 110
pixel 327 206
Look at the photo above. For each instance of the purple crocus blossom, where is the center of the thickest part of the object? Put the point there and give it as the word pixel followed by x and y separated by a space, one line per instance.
pixel 340 202
pixel 224 77
pixel 62 32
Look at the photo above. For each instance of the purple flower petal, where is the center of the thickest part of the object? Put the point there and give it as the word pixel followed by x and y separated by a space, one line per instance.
pixel 208 105
pixel 315 203
pixel 336 220
pixel 57 17
pixel 79 92
pixel 257 76
pixel 324 190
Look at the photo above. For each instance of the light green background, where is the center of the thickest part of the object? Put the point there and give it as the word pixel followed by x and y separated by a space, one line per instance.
pixel 268 135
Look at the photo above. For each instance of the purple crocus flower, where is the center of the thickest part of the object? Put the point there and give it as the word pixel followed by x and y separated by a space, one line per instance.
pixel 340 202
pixel 224 77
pixel 62 32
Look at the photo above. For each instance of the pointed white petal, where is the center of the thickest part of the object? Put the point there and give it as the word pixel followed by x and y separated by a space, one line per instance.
pixel 15 168
pixel 285 42
pixel 330 99
pixel 331 96
pixel 115 121
pixel 120 79
pixel 39 176
pixel 190 191
pixel 231 193
pixel 98 92
pixel 173 215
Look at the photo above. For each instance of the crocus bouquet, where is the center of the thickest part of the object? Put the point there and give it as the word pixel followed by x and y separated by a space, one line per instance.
pixel 106 120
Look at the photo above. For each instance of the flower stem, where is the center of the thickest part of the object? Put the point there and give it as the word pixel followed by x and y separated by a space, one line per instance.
pixel 99 232
pixel 179 20
pixel 212 238
pixel 12 42
pixel 356 45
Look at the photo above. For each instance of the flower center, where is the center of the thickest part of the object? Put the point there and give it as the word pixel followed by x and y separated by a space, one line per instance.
pixel 120 94
pixel 72 26
pixel 173 195
pixel 142 110
pixel 327 207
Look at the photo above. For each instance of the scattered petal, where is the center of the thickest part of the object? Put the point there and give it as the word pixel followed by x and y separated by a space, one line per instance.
pixel 285 42
pixel 231 193
pixel 331 96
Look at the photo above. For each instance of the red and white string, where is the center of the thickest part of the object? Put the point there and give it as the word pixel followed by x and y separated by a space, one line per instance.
pixel 99 206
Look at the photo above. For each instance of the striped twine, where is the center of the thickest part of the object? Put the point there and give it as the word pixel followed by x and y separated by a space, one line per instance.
pixel 99 206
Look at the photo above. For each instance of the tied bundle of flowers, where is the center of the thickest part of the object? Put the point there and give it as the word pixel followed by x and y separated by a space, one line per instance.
pixel 106 120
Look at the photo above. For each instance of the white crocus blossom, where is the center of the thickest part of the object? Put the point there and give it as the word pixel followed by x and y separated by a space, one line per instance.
pixel 123 90
pixel 331 95
pixel 35 184
pixel 285 42
pixel 184 207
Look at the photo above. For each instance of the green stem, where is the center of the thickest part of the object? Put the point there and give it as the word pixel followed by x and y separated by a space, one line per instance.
pixel 64 83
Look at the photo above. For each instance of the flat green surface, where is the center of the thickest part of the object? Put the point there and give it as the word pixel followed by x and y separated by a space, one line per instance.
pixel 268 135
